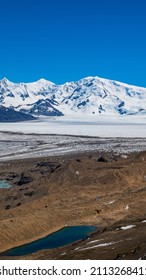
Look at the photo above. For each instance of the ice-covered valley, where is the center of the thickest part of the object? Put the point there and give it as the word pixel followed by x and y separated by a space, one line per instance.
pixel 101 126
pixel 52 137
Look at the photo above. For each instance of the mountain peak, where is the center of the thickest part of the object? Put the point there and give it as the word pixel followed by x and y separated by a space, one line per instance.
pixel 44 81
pixel 5 81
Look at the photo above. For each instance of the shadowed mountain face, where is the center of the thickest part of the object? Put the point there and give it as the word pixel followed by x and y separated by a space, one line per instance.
pixel 10 115
pixel 43 107
pixel 88 96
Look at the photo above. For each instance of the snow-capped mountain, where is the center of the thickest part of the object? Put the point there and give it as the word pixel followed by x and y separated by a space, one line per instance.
pixel 90 96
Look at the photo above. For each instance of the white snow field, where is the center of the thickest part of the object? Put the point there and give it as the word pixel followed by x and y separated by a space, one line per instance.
pixel 101 126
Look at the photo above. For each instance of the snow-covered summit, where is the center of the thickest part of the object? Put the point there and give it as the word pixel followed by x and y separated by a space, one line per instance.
pixel 88 96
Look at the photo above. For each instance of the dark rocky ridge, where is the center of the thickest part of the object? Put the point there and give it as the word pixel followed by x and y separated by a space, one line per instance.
pixel 10 115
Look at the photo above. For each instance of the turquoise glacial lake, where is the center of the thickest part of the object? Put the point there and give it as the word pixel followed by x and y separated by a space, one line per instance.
pixel 4 184
pixel 65 236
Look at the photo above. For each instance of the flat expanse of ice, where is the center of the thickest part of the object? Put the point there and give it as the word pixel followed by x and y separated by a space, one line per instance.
pixel 59 136
pixel 104 126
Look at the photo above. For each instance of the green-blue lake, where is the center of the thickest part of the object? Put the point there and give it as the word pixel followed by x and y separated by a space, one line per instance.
pixel 4 184
pixel 66 235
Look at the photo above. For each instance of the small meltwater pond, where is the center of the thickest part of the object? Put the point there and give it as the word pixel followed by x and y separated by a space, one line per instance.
pixel 57 239
pixel 4 184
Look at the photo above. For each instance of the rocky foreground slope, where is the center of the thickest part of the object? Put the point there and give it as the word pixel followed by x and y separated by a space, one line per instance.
pixel 103 190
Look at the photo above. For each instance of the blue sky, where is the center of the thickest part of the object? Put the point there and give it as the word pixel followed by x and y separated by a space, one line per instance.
pixel 65 40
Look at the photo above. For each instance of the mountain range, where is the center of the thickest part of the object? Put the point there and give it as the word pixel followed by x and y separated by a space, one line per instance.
pixel 88 96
